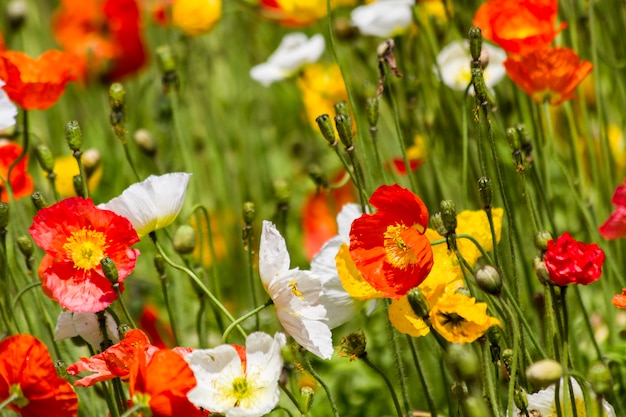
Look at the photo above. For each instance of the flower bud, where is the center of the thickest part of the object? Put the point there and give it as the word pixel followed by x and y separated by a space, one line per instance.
pixel 489 280
pixel 353 346
pixel 342 108
pixel 122 329
pixel 544 372
pixel 524 137
pixel 436 223
pixel 463 362
pixel 344 128
pixel 542 237
pixel 541 270
pixel 520 398
pixel 91 161
pixel 159 264
pixel 512 137
pixel 184 240
pixel 73 135
pixel 480 88
pixel 371 111
pixel 507 358
pixel 25 245
pixel 281 190
pixel 600 378
pixel 4 215
pixel 474 406
pixel 326 127
pixel 306 393
pixel 117 97
pixel 476 42
pixel 45 158
pixel 38 200
pixel 418 302
pixel 78 182
pixel 109 269
pixel 448 215
pixel 485 189
pixel 145 141
pixel 459 390
pixel 165 59
pixel 464 291
pixel 249 212
pixel 61 367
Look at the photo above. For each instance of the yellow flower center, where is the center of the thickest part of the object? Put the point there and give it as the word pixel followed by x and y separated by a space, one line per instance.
pixel 294 289
pixel 241 390
pixel 399 254
pixel 86 248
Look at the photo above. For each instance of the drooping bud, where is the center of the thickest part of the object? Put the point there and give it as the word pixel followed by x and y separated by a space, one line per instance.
pixel 372 112
pixel 542 237
pixel 184 239
pixel 475 406
pixel 520 398
pixel 353 346
pixel 159 264
pixel 117 97
pixel 524 137
pixel 436 223
pixel 109 270
pixel 281 190
pixel 544 372
pixel 4 215
pixel 476 42
pixel 485 190
pixel 78 182
pixel 39 201
pixel 448 215
pixel 45 158
pixel 540 269
pixel 463 362
pixel 249 212
pixel 599 377
pixel 25 245
pixel 418 302
pixel 73 135
pixel 489 280
pixel 326 127
pixel 306 393
pixel 512 137
pixel 167 64
pixel 145 141
pixel 344 128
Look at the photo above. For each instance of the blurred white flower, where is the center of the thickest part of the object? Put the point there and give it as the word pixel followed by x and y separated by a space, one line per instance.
pixel 225 386
pixel 8 111
pixel 296 294
pixel 542 403
pixel 384 18
pixel 87 326
pixel 153 203
pixel 338 303
pixel 454 63
pixel 294 51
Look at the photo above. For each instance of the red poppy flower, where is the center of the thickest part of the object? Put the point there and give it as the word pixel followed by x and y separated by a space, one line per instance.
pixel 389 247
pixel 519 26
pixel 35 83
pixel 571 262
pixel 77 236
pixel 548 74
pixel 21 181
pixel 161 384
pixel 400 167
pixel 619 300
pixel 105 36
pixel 615 226
pixel 26 369
pixel 149 321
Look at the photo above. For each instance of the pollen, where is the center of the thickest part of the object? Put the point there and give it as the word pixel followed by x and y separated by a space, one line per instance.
pixel 86 247
pixel 294 289
pixel 399 253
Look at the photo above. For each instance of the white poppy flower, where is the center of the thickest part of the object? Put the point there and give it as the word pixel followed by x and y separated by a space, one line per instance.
pixel 384 18
pixel 294 51
pixel 542 403
pixel 225 386
pixel 153 203
pixel 85 325
pixel 8 111
pixel 296 295
pixel 454 63
pixel 338 303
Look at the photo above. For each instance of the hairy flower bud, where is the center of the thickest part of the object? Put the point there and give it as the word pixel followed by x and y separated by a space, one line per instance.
pixel 326 127
pixel 419 303
pixel 448 215
pixel 73 135
pixel 249 212
pixel 4 215
pixel 489 280
pixel 476 42
pixel 109 269
pixel 544 372
pixel 600 378
pixel 542 237
pixel 39 201
pixel 184 239
pixel 485 189
pixel 371 111
pixel 45 158
pixel 463 362
pixel 344 128
pixel 25 245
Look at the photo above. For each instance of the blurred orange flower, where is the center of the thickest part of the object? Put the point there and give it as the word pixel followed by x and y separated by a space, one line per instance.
pixel 619 300
pixel 21 181
pixel 519 26
pixel 298 13
pixel 549 74
pixel 104 35
pixel 35 83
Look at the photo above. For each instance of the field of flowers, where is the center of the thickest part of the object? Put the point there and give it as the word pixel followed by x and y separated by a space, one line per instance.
pixel 312 208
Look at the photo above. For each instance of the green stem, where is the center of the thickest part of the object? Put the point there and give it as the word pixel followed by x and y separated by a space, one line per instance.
pixel 8 401
pixel 116 288
pixel 379 371
pixel 331 400
pixel 398 360
pixel 420 372
pixel 168 307
pixel 243 318
pixel 488 378
pixel 79 161
pixel 135 408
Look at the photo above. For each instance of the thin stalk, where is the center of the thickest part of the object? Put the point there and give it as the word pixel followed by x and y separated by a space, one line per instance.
pixel 168 307
pixel 116 288
pixel 245 317
pixel 8 401
pixel 331 400
pixel 135 408
pixel 488 378
pixel 420 372
pixel 398 360
pixel 379 371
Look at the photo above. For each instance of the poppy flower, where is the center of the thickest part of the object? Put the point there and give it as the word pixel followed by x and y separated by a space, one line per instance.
pixel 151 323
pixel 103 35
pixel 153 203
pixel 27 371
pixel 77 235
pixel 389 247
pixel 297 13
pixel 549 74
pixel 619 300
pixel 65 168
pixel 161 384
pixel 8 111
pixel 234 386
pixel 21 181
pixel 572 262
pixel 195 17
pixel 416 154
pixel 36 84
pixel 519 26
pixel 383 18
pixel 321 87
pixel 615 226
pixel 87 326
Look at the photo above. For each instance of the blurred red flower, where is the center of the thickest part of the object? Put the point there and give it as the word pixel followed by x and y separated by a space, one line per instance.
pixel 400 167
pixel 549 74
pixel 161 384
pixel 21 181
pixel 519 26
pixel 35 83
pixel 76 236
pixel 104 35
pixel 26 369
pixel 571 262
pixel 619 300
pixel 615 226
pixel 389 247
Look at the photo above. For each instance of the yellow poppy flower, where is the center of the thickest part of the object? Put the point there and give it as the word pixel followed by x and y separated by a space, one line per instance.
pixel 195 17
pixel 65 168
pixel 351 279
pixel 322 86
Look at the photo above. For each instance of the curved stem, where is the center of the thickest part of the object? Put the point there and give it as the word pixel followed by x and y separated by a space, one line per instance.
pixel 331 400
pixel 244 318
pixel 379 371
pixel 135 408
pixel 116 288
pixel 8 401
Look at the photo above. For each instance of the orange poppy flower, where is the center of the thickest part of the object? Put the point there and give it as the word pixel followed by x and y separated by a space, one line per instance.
pixel 549 74
pixel 619 300
pixel 389 247
pixel 26 370
pixel 104 35
pixel 519 26
pixel 77 236
pixel 161 384
pixel 35 83
pixel 21 181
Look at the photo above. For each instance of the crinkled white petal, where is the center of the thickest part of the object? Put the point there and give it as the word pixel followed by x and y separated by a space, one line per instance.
pixel 295 51
pixel 8 110
pixel 153 203
pixel 349 213
pixel 383 18
pixel 273 255
pixel 65 326
pixel 87 326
